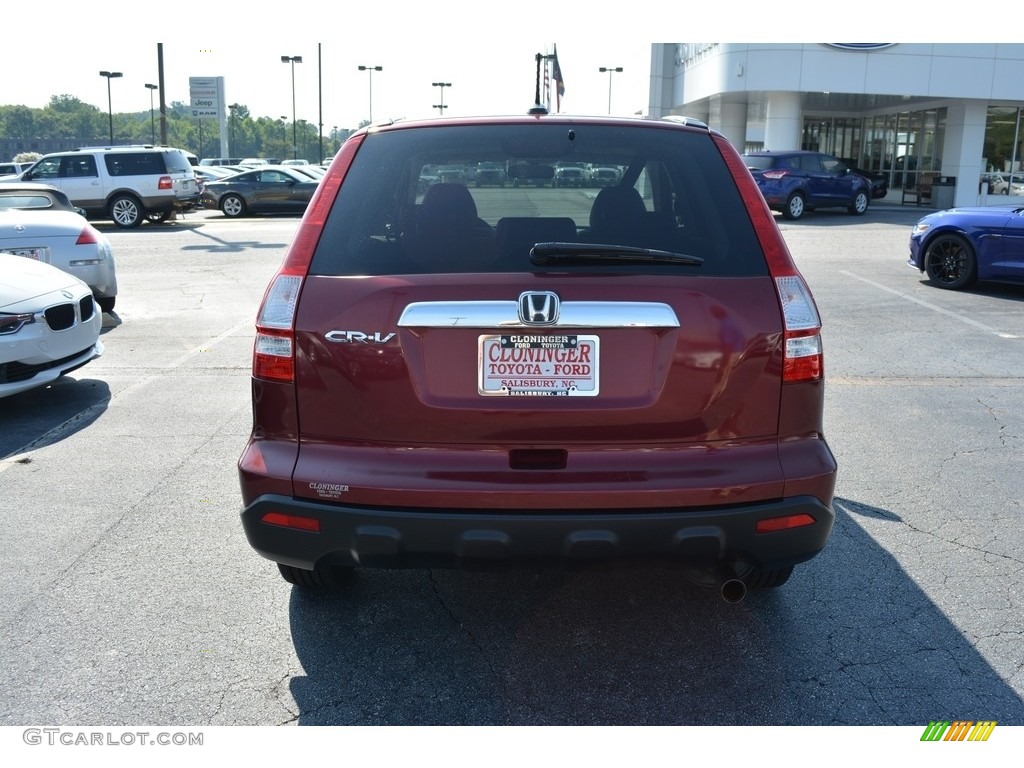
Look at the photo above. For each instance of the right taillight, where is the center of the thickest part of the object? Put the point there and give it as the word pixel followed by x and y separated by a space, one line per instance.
pixel 803 360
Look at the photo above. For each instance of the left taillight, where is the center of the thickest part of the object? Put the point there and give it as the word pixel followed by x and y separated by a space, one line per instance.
pixel 274 349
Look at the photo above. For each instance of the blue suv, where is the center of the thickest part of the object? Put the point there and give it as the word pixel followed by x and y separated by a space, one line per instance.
pixel 797 181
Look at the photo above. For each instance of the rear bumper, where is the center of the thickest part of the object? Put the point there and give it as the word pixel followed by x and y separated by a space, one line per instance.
pixel 396 538
pixel 167 204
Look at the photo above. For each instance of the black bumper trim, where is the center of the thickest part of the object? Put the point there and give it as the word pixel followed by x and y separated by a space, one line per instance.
pixel 376 537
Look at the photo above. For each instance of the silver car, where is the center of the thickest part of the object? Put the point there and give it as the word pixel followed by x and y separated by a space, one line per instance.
pixel 38 222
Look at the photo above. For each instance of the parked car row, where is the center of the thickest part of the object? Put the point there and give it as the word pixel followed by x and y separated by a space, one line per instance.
pixel 489 173
pixel 126 184
pixel 57 277
pixel 57 271
pixel 133 184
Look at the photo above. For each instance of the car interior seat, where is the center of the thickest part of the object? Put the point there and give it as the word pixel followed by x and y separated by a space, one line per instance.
pixel 617 216
pixel 448 234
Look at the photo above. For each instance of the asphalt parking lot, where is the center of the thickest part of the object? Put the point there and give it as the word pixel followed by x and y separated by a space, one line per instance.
pixel 130 595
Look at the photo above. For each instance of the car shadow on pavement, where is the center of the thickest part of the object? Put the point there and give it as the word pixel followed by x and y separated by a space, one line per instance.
pixel 219 245
pixel 881 214
pixel 179 225
pixel 45 415
pixel 996 291
pixel 850 640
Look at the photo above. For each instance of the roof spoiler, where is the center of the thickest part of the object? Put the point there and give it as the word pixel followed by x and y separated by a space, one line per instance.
pixel 684 120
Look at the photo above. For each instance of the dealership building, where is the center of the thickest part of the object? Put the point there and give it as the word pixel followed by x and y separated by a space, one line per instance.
pixel 942 117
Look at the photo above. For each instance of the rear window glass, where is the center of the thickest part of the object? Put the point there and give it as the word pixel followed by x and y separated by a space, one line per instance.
pixel 177 161
pixel 477 198
pixel 135 163
pixel 765 162
pixel 25 201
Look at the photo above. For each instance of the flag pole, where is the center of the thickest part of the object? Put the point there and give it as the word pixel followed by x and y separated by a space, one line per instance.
pixel 538 108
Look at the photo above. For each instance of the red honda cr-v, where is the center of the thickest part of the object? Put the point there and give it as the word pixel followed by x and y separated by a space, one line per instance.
pixel 449 373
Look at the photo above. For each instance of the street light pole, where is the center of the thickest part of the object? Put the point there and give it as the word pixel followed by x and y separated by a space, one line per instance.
pixel 284 130
pixel 293 60
pixel 231 127
pixel 610 70
pixel 152 114
pixel 370 71
pixel 110 105
pixel 442 106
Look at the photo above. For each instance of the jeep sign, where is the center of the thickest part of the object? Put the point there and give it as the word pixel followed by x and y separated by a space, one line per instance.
pixel 206 96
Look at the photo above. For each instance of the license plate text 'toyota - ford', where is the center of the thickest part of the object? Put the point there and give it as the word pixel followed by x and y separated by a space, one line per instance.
pixel 525 365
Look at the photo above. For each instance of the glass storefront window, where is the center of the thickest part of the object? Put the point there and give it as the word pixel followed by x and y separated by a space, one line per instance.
pixel 901 145
pixel 1002 159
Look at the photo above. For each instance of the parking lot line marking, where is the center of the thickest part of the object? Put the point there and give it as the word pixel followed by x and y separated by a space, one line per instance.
pixel 63 429
pixel 933 307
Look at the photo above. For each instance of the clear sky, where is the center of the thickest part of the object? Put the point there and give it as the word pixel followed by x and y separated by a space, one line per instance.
pixel 485 48
pixel 488 59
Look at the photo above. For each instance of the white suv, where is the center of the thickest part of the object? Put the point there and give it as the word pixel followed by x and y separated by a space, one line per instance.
pixel 12 169
pixel 126 184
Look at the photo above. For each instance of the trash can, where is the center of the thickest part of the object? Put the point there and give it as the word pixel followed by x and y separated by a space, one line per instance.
pixel 943 191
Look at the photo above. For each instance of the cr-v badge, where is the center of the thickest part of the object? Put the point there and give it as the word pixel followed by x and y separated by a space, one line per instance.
pixel 358 337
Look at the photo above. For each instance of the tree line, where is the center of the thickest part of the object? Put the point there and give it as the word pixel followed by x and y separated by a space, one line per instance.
pixel 70 120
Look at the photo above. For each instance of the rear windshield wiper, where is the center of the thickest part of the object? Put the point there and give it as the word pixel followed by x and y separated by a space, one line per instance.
pixel 553 253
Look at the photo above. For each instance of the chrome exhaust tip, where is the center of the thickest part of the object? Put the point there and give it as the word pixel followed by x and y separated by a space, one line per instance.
pixel 733 590
pixel 732 587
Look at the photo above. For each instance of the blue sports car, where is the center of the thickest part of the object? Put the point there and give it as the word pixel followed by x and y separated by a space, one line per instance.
pixel 960 246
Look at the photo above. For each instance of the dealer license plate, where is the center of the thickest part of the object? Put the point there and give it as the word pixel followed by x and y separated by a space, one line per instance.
pixel 525 364
pixel 39 254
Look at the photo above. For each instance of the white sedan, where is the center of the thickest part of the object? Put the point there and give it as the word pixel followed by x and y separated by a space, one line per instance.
pixel 49 324
pixel 38 222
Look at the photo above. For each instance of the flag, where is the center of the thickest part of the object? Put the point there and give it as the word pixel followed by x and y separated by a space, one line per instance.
pixel 546 101
pixel 556 74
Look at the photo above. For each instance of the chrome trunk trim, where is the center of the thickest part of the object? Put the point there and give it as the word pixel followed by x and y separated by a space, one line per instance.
pixel 505 314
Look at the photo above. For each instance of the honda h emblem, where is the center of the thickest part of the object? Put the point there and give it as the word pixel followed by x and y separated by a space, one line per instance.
pixel 538 308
